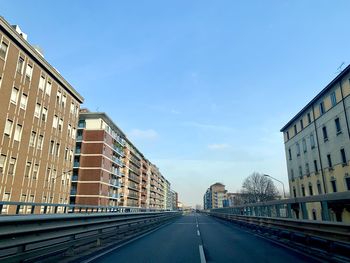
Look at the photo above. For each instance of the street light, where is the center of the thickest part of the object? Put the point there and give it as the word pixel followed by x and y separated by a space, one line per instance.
pixel 284 193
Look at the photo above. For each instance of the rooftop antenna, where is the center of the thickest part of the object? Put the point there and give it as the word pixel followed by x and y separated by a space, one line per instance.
pixel 339 69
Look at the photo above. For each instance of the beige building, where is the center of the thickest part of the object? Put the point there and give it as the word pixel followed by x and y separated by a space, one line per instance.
pixel 38 121
pixel 317 143
pixel 215 196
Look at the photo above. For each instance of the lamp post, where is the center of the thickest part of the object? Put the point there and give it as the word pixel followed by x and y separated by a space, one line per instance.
pixel 284 193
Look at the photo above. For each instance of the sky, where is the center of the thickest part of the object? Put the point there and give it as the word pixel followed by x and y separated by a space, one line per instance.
pixel 202 88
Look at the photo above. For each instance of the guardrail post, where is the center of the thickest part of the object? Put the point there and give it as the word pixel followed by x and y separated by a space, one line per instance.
pixel 304 210
pixel 268 211
pixel 325 211
pixel 278 212
pixel 289 211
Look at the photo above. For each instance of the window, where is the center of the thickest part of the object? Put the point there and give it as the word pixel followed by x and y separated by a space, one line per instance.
pixel 14 95
pixel 60 125
pixel 292 174
pixel 42 82
pixel 64 100
pixel 343 156
pixel 333 99
pixel 295 129
pixel 337 125
pixel 27 170
pixel 3 50
pixel 69 130
pixel 315 166
pixel 298 149
pixel 29 71
pixel 18 133
pixel 55 121
pixel 20 64
pixel 73 133
pixel 304 146
pixel 32 139
pixel 301 124
pixel 37 110
pixel 329 159
pixel 35 171
pixel 66 154
pixel 307 169
pixel 287 135
pixel 72 108
pixel 294 192
pixel 321 108
pixel 44 114
pixel 40 142
pixel 48 88
pixel 57 149
pixel 58 98
pixel 347 182
pixel 309 118
pixel 310 189
pixel 290 154
pixel 24 100
pixel 8 127
pixel 334 185
pixel 324 132
pixel 303 189
pixel 300 171
pixel 12 166
pixel 312 141
pixel 319 189
pixel 52 147
pixel 2 163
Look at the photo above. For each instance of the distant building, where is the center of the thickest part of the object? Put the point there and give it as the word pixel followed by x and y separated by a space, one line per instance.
pixel 215 196
pixel 175 200
pixel 38 121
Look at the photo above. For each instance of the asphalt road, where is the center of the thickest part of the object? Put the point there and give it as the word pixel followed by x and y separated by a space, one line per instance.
pixel 198 238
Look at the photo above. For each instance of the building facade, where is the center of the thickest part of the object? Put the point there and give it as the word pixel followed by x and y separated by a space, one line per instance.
pixel 98 161
pixel 317 143
pixel 215 196
pixel 38 121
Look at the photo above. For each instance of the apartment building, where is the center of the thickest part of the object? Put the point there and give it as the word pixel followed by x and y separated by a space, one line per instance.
pixel 145 182
pixel 98 161
pixel 167 195
pixel 215 196
pixel 317 142
pixel 132 178
pixel 175 200
pixel 38 120
pixel 156 188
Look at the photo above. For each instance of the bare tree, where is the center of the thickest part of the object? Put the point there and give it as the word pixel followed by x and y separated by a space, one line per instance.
pixel 258 188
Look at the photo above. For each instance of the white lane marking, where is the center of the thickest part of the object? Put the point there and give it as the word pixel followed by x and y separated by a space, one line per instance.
pixel 201 254
pixel 198 233
pixel 197 225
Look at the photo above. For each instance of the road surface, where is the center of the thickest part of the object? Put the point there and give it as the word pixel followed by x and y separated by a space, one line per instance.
pixel 200 238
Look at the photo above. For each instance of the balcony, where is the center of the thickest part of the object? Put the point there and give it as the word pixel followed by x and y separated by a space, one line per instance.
pixel 117 161
pixel 73 191
pixel 113 195
pixel 118 150
pixel 114 182
pixel 75 178
pixel 76 164
pixel 120 140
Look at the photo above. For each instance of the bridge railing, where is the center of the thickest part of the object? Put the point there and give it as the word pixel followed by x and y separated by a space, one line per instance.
pixel 51 238
pixel 20 208
pixel 327 207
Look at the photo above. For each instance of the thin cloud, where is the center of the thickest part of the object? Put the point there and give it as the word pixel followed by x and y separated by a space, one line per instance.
pixel 138 134
pixel 220 146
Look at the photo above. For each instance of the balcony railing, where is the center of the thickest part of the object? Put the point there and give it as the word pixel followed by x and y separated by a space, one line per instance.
pixel 118 150
pixel 118 161
pixel 73 191
pixel 75 178
pixel 76 164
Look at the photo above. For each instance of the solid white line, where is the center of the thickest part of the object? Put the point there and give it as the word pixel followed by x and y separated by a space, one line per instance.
pixel 198 233
pixel 201 254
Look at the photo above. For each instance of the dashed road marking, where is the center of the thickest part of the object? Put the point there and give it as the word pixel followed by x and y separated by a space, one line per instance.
pixel 201 254
pixel 198 233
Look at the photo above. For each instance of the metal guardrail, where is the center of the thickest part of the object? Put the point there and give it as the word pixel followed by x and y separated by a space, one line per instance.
pixel 18 208
pixel 332 238
pixel 52 238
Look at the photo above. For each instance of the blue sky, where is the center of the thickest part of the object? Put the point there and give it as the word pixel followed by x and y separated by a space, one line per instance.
pixel 201 87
